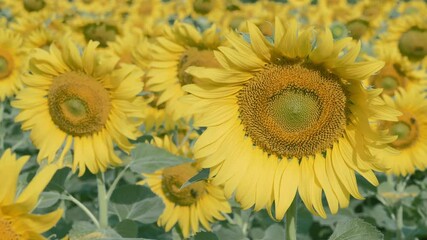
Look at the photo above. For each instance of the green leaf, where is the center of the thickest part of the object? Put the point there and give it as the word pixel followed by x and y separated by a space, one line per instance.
pixel 202 175
pixel 148 158
pixel 205 236
pixel 229 232
pixel 130 193
pixel 127 228
pixel 356 229
pixel 48 199
pixel 83 230
pixel 275 231
pixel 146 211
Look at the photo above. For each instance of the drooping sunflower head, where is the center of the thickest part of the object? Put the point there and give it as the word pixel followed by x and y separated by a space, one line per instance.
pixel 398 71
pixel 198 203
pixel 296 109
pixel 86 102
pixel 16 219
pixel 409 35
pixel 11 62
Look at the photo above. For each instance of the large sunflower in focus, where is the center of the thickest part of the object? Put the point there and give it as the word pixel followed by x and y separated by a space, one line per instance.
pixel 181 47
pixel 11 62
pixel 80 101
pixel 197 204
pixel 411 131
pixel 289 117
pixel 16 219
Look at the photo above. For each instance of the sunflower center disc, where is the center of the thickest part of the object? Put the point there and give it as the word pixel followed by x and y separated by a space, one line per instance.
pixel 357 28
pixel 101 32
pixel 389 78
pixel 194 57
pixel 7 232
pixel 406 130
pixel 78 104
pixel 6 66
pixel 203 6
pixel 413 44
pixel 293 110
pixel 174 178
pixel 34 5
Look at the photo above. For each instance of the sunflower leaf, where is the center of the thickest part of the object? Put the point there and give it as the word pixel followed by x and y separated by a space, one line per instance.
pixel 202 175
pixel 148 158
pixel 355 229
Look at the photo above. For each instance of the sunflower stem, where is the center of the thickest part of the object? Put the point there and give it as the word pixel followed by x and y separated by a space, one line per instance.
pixel 116 181
pixel 291 221
pixel 69 197
pixel 102 200
pixel 399 222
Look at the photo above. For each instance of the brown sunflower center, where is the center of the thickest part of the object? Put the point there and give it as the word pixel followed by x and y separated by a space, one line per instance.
pixel 389 79
pixel 6 230
pixel 78 104
pixel 357 28
pixel 293 109
pixel 194 57
pixel 6 65
pixel 413 44
pixel 174 178
pixel 34 5
pixel 406 130
pixel 101 32
pixel 203 6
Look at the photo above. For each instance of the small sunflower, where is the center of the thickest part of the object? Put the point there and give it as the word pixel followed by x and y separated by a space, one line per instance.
pixel 181 47
pixel 16 219
pixel 364 18
pixel 290 117
pixel 411 131
pixel 12 58
pixel 398 71
pixel 409 35
pixel 82 101
pixel 197 204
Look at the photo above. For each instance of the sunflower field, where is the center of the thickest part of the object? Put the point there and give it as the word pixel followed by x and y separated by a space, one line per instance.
pixel 213 119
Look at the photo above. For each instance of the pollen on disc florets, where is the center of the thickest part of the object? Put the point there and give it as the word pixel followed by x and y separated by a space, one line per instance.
pixel 6 230
pixel 78 104
pixel 172 180
pixel 294 109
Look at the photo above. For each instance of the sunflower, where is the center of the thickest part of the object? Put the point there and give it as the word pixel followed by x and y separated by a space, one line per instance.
pixel 16 219
pixel 411 131
pixel 84 102
pixel 397 72
pixel 11 62
pixel 409 35
pixel 197 204
pixel 181 47
pixel 288 117
pixel 364 18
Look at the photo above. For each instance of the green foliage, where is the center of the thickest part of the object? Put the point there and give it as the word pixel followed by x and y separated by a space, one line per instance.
pixel 356 229
pixel 148 158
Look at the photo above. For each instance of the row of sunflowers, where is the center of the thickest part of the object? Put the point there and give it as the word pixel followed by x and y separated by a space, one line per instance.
pixel 213 119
